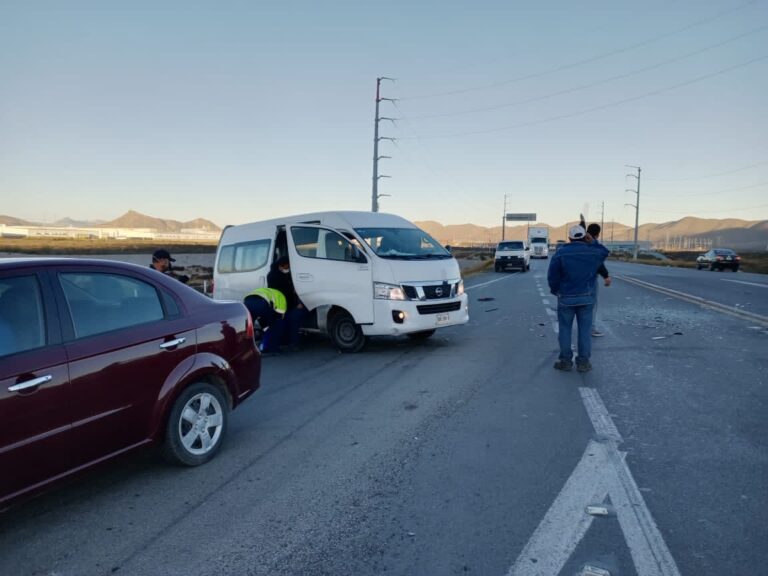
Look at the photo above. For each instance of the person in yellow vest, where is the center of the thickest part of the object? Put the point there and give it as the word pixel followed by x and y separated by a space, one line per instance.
pixel 268 307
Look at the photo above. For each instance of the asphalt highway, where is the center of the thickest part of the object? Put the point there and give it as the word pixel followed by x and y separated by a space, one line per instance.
pixel 464 454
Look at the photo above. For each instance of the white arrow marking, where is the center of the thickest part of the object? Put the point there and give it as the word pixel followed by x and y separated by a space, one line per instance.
pixel 601 472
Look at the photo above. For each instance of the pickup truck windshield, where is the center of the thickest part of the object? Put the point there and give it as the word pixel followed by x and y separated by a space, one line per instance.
pixel 510 246
pixel 403 243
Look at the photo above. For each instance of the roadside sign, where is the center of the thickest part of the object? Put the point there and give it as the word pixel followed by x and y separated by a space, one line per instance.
pixel 521 217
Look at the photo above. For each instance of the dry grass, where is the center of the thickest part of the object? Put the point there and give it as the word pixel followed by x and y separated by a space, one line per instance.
pixel 63 246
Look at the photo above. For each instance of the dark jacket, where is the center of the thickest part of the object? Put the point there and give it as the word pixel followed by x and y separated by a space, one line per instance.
pixel 284 283
pixel 573 272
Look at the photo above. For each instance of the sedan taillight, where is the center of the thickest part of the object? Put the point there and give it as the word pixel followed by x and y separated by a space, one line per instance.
pixel 737 258
pixel 249 332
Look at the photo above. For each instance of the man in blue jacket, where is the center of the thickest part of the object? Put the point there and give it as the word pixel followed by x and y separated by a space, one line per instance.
pixel 572 276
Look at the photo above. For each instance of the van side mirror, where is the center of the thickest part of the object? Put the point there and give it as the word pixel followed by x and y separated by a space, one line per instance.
pixel 527 247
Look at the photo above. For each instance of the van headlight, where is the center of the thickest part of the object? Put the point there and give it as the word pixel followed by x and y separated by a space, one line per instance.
pixel 460 288
pixel 383 291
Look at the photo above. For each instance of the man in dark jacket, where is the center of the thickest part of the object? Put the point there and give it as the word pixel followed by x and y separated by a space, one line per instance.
pixel 279 278
pixel 571 277
pixel 594 230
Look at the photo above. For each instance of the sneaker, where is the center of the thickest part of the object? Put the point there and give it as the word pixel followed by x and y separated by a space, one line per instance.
pixel 583 366
pixel 564 365
pixel 597 333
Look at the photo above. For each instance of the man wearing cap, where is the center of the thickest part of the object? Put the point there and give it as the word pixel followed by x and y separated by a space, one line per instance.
pixel 572 276
pixel 161 261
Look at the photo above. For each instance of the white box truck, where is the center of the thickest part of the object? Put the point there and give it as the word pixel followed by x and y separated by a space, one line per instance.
pixel 538 239
pixel 359 273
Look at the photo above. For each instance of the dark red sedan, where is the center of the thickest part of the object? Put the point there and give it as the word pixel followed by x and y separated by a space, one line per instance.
pixel 98 358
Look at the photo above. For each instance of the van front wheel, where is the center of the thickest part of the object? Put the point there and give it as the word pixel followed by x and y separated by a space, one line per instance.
pixel 345 334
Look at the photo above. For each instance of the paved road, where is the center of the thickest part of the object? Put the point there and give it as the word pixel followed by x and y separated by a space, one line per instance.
pixel 742 290
pixel 444 457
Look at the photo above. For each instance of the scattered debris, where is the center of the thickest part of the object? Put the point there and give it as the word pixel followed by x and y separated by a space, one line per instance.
pixel 486 299
pixel 491 309
pixel 593 571
pixel 677 333
pixel 598 511
pixel 412 534
pixel 658 338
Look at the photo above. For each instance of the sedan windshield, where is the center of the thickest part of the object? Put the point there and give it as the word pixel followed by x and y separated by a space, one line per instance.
pixel 403 243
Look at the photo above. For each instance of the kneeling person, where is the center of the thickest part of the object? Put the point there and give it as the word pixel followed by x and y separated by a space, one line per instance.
pixel 268 307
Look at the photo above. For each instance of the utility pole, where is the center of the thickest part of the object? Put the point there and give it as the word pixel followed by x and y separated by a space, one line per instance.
pixel 376 138
pixel 504 220
pixel 636 205
pixel 602 218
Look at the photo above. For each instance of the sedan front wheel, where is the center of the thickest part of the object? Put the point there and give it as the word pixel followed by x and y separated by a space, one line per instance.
pixel 196 425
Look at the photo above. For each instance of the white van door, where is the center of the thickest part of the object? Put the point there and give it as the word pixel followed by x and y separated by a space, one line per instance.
pixel 327 269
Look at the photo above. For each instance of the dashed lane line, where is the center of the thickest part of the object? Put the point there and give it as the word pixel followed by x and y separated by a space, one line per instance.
pixel 745 282
pixel 484 284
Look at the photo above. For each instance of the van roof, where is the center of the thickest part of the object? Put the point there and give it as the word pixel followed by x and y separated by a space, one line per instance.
pixel 338 219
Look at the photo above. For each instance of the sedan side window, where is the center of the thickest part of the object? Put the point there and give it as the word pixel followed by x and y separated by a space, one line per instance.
pixel 101 302
pixel 22 318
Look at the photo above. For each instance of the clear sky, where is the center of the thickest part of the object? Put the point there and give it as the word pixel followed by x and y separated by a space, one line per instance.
pixel 244 110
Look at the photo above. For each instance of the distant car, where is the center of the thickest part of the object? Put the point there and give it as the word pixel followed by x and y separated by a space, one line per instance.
pixel 719 259
pixel 512 254
pixel 98 358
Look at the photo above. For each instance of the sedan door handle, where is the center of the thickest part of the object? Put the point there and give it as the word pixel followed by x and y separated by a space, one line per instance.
pixel 172 343
pixel 305 276
pixel 30 383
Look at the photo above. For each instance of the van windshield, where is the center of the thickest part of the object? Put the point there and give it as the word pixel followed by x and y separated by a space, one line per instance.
pixel 510 246
pixel 403 243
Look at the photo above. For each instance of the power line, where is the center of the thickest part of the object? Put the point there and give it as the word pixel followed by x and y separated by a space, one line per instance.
pixel 671 196
pixel 719 211
pixel 592 84
pixel 594 108
pixel 601 56
pixel 764 162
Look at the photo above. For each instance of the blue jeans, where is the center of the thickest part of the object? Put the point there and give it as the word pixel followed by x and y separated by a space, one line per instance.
pixel 565 315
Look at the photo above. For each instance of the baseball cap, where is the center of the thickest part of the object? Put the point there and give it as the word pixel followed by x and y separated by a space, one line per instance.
pixel 160 254
pixel 576 232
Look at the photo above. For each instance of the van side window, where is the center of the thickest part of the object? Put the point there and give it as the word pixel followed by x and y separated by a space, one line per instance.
pixel 243 257
pixel 323 244
pixel 22 321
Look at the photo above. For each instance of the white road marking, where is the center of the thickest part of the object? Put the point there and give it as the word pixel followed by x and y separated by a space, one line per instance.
pixel 601 473
pixel 598 414
pixel 565 523
pixel 489 282
pixel 697 300
pixel 745 282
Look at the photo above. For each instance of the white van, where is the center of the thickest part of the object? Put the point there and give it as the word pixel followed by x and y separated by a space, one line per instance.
pixel 359 273
pixel 512 254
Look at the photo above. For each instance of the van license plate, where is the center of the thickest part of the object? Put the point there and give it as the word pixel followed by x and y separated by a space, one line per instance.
pixel 442 318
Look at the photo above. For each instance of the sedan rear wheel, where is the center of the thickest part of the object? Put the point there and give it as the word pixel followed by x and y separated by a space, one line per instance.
pixel 196 426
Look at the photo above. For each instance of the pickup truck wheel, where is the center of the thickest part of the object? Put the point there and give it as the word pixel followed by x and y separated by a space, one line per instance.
pixel 196 425
pixel 345 334
pixel 423 335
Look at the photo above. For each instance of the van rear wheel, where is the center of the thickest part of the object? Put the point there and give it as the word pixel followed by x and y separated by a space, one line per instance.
pixel 345 334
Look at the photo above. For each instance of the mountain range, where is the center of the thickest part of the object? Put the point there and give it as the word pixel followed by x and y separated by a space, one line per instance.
pixel 683 233
pixel 679 234
pixel 130 219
